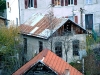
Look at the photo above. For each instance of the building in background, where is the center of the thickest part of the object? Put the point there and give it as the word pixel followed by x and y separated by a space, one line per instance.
pixel 79 11
pixel 13 12
pixel 63 36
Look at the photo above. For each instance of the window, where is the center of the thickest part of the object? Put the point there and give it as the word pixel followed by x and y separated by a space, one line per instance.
pixel 64 2
pixel 57 2
pixel 89 21
pixel 25 45
pixel 16 21
pixel 89 2
pixel 58 48
pixel 75 47
pixel 30 4
pixel 76 19
pixel 40 46
pixel 8 4
pixel 70 2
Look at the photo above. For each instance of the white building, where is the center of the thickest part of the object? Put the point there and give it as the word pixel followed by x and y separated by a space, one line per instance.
pixel 83 12
pixel 13 12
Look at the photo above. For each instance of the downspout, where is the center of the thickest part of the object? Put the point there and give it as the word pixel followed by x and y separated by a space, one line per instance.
pixel 81 15
pixel 19 10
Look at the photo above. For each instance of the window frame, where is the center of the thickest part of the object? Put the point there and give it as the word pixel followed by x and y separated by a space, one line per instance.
pixel 87 2
pixel 40 46
pixel 57 3
pixel 75 44
pixel 58 49
pixel 65 3
pixel 70 2
pixel 90 28
pixel 8 5
pixel 25 45
pixel 30 3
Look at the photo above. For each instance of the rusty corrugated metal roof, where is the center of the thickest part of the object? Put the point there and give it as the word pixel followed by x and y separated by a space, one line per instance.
pixel 51 60
pixel 41 26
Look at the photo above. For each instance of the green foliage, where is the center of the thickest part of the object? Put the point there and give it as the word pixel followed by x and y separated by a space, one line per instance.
pixel 90 60
pixel 76 65
pixel 9 48
pixel 90 64
pixel 94 34
pixel 8 39
pixel 90 40
pixel 2 5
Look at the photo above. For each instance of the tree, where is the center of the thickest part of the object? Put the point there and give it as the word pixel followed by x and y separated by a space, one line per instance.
pixel 9 49
pixel 2 5
pixel 91 67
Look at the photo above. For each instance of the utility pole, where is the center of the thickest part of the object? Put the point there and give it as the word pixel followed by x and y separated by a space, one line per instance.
pixel 81 16
pixel 99 28
pixel 83 65
pixel 73 13
pixel 51 23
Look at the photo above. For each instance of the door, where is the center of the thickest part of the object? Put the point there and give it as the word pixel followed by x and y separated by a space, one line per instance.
pixel 89 21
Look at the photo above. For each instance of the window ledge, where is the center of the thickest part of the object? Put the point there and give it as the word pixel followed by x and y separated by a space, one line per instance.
pixel 31 8
pixel 64 6
pixel 58 6
pixel 71 5
pixel 90 4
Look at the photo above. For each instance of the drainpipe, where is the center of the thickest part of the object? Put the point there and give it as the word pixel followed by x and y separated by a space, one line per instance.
pixel 81 16
pixel 19 10
pixel 99 28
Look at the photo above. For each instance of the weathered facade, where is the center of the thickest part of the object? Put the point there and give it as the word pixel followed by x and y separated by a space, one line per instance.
pixel 58 36
pixel 79 11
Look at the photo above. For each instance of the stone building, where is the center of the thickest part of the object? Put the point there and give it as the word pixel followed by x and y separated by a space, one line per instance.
pixel 64 37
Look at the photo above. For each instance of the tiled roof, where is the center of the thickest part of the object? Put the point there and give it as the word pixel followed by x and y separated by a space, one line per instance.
pixel 51 60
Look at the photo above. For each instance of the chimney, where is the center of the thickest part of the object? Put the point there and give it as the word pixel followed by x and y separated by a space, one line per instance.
pixel 66 72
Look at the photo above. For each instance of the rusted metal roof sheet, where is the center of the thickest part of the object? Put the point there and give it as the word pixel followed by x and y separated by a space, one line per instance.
pixel 51 60
pixel 41 26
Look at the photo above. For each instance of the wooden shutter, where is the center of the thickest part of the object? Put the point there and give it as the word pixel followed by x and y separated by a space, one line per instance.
pixel 66 2
pixel 62 2
pixel 52 1
pixel 35 3
pixel 75 2
pixel 76 19
pixel 26 4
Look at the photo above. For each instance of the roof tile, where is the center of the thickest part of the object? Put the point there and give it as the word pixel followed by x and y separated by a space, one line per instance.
pixel 51 60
